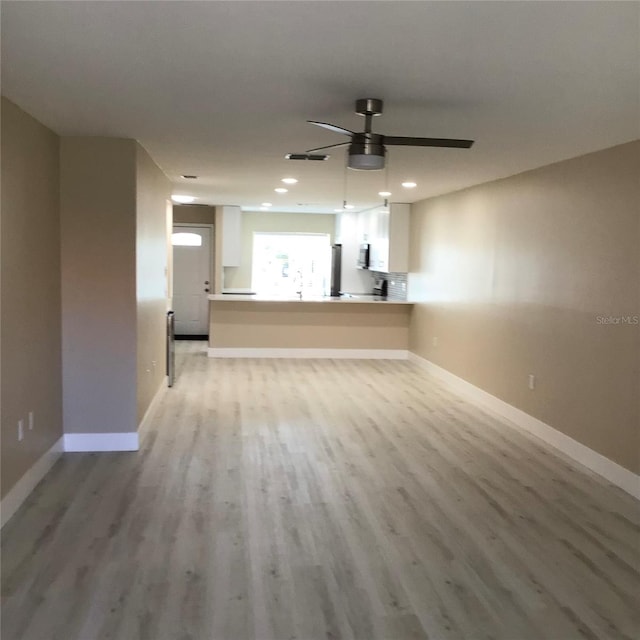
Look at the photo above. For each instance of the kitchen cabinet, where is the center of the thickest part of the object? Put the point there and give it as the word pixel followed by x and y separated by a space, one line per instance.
pixel 364 227
pixel 388 229
pixel 231 236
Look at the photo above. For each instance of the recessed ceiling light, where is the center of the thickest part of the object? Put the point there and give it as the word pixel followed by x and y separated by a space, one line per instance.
pixel 267 204
pixel 349 206
pixel 188 177
pixel 281 190
pixel 289 180
pixel 183 199
pixel 409 185
pixel 384 194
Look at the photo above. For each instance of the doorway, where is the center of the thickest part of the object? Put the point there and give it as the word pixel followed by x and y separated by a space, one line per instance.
pixel 192 279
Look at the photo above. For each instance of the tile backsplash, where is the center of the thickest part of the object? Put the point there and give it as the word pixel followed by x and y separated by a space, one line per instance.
pixel 396 284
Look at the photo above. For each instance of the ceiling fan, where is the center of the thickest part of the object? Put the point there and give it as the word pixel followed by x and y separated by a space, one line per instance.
pixel 367 149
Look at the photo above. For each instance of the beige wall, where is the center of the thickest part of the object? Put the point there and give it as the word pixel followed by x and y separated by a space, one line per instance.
pixel 30 313
pixel 513 276
pixel 308 325
pixel 153 189
pixel 98 211
pixel 240 277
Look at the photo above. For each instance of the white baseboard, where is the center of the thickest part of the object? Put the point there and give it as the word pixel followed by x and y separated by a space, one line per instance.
pixel 21 490
pixel 70 442
pixel 124 441
pixel 351 354
pixel 596 462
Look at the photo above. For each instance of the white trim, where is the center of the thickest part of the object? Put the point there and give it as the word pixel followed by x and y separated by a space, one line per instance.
pixel 72 442
pixel 353 354
pixel 123 441
pixel 21 489
pixel 596 462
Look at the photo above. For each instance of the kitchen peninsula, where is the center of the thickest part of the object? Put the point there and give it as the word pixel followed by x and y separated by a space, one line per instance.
pixel 322 327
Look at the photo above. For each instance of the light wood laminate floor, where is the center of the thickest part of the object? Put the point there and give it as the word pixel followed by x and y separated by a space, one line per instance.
pixel 309 499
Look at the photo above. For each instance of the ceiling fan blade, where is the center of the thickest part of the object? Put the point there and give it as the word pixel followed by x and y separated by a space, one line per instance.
pixel 329 146
pixel 331 127
pixel 428 142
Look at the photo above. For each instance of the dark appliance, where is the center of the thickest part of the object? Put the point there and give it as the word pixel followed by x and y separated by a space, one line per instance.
pixel 336 270
pixel 380 287
pixel 364 255
pixel 171 349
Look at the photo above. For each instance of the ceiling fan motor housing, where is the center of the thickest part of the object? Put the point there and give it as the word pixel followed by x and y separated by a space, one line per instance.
pixel 369 107
pixel 366 152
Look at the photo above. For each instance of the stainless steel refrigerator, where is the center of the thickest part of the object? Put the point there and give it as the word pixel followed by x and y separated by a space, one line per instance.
pixel 336 270
pixel 171 349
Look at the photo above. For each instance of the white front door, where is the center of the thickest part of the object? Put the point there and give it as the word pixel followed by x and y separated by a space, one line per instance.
pixel 191 279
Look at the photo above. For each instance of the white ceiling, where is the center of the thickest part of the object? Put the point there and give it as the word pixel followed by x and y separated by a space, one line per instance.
pixel 223 89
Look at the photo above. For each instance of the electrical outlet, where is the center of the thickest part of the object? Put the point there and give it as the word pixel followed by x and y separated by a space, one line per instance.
pixel 20 430
pixel 30 420
pixel 532 381
pixel 154 363
pixel 435 342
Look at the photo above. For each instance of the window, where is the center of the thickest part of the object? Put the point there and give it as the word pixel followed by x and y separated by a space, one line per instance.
pixel 186 240
pixel 285 264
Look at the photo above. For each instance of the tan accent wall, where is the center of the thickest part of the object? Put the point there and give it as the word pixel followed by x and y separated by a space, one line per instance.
pixel 240 277
pixel 534 274
pixel 308 325
pixel 98 210
pixel 153 189
pixel 30 341
pixel 194 214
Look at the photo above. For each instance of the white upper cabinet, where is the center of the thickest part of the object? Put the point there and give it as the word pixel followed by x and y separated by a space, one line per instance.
pixel 364 227
pixel 389 238
pixel 231 235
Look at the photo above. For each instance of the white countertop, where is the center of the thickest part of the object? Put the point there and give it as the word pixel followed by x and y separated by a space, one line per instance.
pixel 222 297
pixel 239 291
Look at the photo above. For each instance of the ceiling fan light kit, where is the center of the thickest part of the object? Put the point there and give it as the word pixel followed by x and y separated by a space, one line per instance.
pixel 366 161
pixel 367 149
